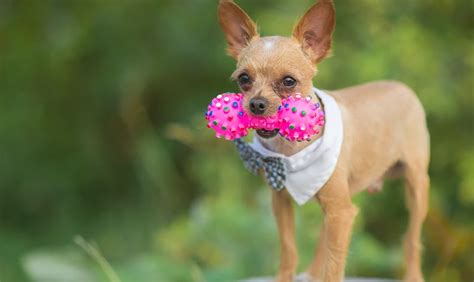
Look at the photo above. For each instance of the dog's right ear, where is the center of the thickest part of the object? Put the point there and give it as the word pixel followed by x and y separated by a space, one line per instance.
pixel 238 28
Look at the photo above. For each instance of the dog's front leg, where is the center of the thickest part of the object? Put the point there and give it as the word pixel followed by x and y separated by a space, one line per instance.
pixel 283 211
pixel 316 267
pixel 339 215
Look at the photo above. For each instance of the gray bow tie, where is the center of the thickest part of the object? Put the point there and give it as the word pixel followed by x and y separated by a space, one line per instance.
pixel 274 168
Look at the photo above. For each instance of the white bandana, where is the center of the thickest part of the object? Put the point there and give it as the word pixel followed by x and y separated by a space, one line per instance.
pixel 308 170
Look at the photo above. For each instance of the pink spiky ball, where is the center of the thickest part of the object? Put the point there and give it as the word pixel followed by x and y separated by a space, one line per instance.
pixel 226 116
pixel 299 118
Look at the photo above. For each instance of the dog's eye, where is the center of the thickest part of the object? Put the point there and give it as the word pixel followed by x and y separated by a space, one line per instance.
pixel 244 79
pixel 289 81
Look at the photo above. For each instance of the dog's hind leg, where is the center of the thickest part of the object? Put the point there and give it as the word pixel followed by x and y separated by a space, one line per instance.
pixel 283 211
pixel 417 198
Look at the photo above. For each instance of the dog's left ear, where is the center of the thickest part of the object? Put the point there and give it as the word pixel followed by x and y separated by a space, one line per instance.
pixel 239 29
pixel 314 30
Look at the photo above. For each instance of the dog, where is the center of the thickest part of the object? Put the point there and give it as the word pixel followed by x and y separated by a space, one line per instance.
pixel 384 135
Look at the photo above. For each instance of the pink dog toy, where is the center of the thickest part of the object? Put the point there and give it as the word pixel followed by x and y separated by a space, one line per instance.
pixel 297 118
pixel 227 117
pixel 267 123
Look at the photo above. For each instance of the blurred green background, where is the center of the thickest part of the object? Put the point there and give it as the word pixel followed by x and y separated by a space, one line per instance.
pixel 102 135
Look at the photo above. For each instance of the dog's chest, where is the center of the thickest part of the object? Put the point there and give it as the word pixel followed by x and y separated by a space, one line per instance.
pixel 308 169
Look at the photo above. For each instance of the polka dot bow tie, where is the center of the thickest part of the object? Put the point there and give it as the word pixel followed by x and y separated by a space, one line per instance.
pixel 274 168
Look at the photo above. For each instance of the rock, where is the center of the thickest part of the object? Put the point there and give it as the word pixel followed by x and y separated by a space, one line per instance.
pixel 303 278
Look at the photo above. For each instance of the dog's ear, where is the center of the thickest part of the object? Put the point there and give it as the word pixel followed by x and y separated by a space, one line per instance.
pixel 239 29
pixel 314 30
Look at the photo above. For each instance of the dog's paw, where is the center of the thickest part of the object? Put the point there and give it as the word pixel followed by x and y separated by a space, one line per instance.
pixel 416 277
pixel 306 277
pixel 285 277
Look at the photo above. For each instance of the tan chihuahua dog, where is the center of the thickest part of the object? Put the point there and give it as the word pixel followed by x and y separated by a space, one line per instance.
pixel 385 135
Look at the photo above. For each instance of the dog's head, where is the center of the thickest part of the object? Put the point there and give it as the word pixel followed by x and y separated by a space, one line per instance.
pixel 271 68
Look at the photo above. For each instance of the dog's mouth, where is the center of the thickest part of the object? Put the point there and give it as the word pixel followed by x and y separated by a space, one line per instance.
pixel 267 133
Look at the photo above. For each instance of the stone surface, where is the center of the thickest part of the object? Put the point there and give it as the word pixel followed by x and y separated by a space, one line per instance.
pixel 304 278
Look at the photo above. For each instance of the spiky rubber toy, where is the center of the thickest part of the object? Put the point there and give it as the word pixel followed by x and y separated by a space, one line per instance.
pixel 227 117
pixel 267 123
pixel 297 118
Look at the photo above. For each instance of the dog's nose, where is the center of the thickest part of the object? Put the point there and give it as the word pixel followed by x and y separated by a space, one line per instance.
pixel 258 105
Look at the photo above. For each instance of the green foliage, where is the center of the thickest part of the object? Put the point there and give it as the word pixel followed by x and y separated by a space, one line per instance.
pixel 102 134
